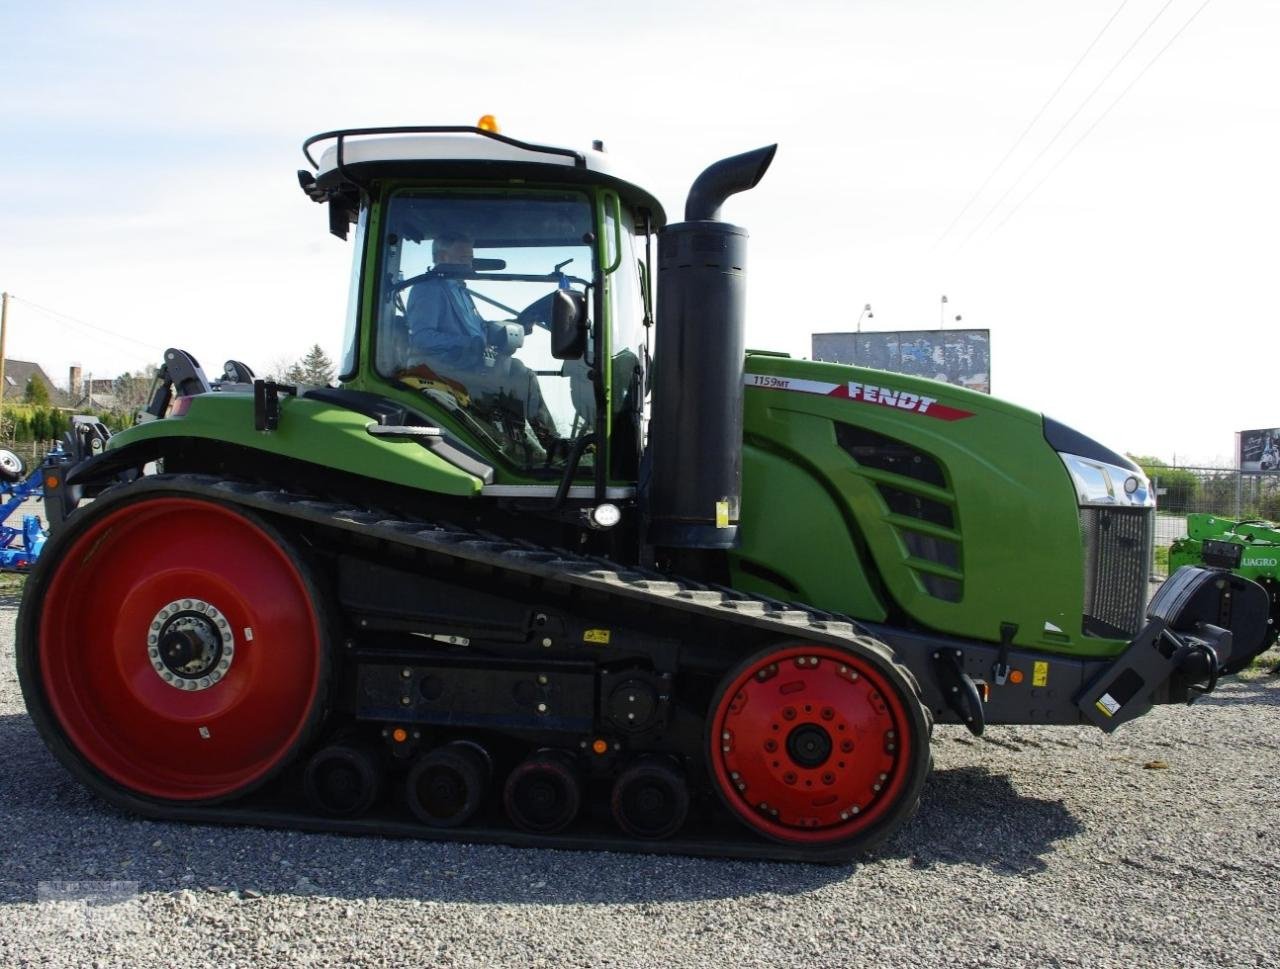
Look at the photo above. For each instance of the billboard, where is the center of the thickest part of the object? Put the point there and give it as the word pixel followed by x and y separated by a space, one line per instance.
pixel 960 357
pixel 1258 450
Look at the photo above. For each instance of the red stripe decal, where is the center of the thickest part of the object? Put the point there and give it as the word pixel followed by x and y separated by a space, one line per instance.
pixel 863 394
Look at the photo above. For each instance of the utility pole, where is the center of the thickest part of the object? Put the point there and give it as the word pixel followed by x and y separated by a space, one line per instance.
pixel 942 314
pixel 4 326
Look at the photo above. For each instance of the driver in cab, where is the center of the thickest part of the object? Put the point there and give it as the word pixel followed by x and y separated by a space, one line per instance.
pixel 447 332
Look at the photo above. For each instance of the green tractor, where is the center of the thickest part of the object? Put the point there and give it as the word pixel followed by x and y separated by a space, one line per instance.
pixel 560 562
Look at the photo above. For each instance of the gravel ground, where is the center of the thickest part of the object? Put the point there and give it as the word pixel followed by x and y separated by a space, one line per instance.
pixel 1033 847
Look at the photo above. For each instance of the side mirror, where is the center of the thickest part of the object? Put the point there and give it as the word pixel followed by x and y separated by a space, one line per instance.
pixel 568 325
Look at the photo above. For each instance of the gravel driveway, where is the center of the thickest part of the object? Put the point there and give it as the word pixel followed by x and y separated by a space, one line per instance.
pixel 1034 847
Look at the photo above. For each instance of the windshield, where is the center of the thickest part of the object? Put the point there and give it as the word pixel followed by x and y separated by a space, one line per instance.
pixel 464 312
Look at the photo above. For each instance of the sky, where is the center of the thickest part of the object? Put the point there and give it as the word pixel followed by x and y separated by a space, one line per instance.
pixel 1123 254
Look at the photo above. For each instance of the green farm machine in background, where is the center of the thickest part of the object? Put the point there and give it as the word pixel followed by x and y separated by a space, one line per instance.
pixel 561 562
pixel 1248 548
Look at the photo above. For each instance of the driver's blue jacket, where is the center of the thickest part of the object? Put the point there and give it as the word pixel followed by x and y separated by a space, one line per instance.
pixel 444 324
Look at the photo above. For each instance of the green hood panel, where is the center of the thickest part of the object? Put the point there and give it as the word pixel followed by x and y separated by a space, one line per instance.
pixel 957 503
pixel 311 431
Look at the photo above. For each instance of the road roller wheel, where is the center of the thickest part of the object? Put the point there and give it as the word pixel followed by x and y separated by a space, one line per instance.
pixel 650 799
pixel 447 785
pixel 544 792
pixel 343 780
pixel 819 746
pixel 173 649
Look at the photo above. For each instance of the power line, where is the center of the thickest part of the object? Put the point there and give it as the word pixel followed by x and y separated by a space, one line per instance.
pixel 1027 130
pixel 1099 121
pixel 79 322
pixel 1066 124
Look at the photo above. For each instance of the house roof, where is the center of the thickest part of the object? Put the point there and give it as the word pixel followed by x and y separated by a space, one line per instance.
pixel 18 372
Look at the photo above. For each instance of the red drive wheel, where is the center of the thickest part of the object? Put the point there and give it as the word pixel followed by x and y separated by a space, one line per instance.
pixel 178 650
pixel 819 746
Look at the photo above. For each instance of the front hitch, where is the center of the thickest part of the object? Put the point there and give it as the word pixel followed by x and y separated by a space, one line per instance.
pixel 1201 624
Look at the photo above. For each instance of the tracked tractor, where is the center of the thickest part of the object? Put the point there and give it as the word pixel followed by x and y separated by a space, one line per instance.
pixel 560 562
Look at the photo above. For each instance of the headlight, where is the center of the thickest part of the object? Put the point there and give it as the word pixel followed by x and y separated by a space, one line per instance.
pixel 1099 483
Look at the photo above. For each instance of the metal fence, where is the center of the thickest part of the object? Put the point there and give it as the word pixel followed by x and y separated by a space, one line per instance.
pixel 1226 492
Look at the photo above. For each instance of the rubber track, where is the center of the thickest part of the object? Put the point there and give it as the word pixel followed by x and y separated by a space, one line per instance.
pixel 601 575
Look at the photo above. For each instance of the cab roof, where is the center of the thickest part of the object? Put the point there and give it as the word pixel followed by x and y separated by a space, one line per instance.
pixel 356 155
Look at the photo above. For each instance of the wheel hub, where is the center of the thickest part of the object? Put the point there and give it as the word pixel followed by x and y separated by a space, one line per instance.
pixel 190 644
pixel 808 744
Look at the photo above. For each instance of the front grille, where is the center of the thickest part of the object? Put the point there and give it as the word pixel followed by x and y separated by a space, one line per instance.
pixel 1117 552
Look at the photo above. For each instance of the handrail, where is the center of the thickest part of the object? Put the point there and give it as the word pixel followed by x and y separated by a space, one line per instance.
pixel 579 159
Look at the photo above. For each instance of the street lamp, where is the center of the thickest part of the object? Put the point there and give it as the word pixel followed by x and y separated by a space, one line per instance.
pixel 866 311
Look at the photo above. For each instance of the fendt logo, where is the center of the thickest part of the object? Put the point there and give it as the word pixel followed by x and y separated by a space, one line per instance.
pixel 862 394
pixel 871 394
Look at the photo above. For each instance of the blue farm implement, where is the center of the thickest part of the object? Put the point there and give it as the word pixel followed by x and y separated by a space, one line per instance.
pixel 19 547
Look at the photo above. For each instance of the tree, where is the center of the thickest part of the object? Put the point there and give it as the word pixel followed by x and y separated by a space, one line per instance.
pixel 36 393
pixel 315 369
pixel 1181 487
pixel 40 428
pixel 132 391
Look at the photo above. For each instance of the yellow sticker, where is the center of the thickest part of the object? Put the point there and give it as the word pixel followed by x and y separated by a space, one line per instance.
pixel 600 636
pixel 1040 674
pixel 722 514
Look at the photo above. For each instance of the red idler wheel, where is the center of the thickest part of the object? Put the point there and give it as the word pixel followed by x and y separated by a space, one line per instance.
pixel 180 653
pixel 818 745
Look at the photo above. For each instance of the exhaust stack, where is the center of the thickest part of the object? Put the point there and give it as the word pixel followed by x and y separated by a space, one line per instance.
pixel 696 431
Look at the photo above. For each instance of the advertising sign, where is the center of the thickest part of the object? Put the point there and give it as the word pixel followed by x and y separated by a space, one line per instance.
pixel 1258 450
pixel 960 357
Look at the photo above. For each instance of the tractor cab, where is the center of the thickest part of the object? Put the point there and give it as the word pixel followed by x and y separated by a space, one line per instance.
pixel 500 288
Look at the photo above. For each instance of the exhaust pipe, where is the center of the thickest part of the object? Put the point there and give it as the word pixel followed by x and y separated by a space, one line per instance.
pixel 696 430
pixel 724 178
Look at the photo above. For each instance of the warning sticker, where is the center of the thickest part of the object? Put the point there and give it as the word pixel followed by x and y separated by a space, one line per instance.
pixel 1107 705
pixel 1040 674
pixel 598 636
pixel 722 513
